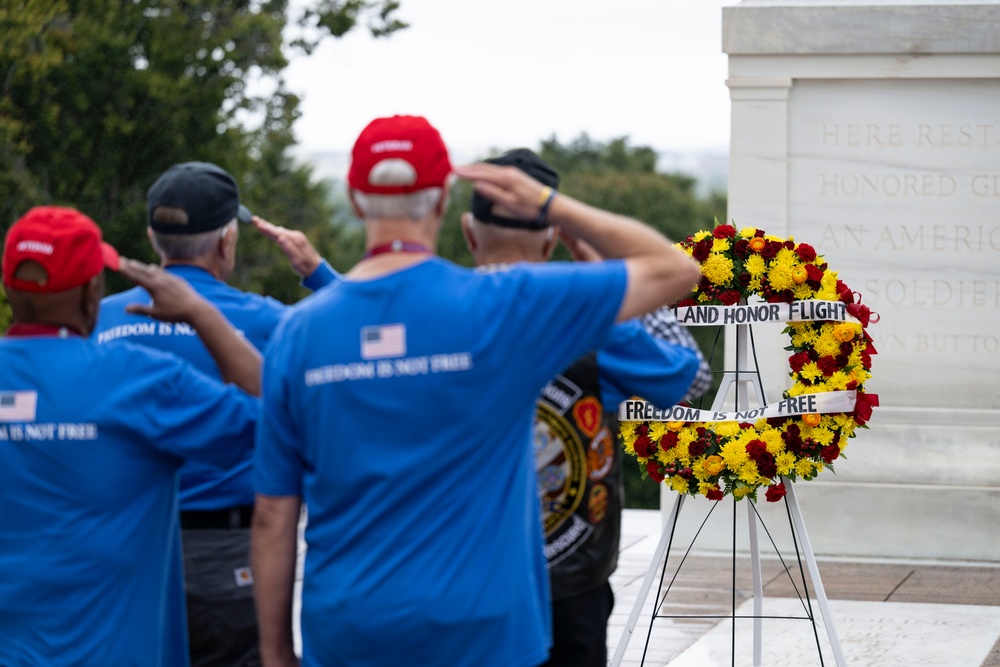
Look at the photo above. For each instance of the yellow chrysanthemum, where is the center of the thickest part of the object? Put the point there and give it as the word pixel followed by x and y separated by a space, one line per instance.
pixel 785 463
pixel 748 232
pixel 727 429
pixel 704 488
pixel 741 491
pixel 718 269
pixel 720 245
pixel 755 266
pixel 825 344
pixel 780 277
pixel 734 453
pixel 679 484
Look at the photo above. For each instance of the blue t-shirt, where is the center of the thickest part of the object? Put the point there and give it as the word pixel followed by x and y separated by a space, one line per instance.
pixel 202 487
pixel 91 438
pixel 634 363
pixel 401 409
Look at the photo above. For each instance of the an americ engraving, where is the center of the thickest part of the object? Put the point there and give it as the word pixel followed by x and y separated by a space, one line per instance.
pixel 924 238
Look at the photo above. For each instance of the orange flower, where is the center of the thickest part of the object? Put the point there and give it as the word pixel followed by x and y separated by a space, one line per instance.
pixel 799 275
pixel 675 426
pixel 757 244
pixel 811 419
pixel 843 332
pixel 714 465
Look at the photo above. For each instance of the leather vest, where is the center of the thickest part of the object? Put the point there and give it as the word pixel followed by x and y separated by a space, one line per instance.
pixel 579 480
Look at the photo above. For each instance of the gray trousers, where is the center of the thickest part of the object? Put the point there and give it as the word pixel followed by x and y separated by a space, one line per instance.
pixel 222 619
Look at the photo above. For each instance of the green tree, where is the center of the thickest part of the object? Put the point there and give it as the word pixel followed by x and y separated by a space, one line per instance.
pixel 4 312
pixel 101 96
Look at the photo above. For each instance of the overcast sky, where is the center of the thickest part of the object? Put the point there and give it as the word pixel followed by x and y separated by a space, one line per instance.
pixel 506 73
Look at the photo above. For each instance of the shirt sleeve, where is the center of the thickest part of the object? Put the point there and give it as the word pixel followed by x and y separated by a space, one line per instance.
pixel 321 277
pixel 634 363
pixel 662 324
pixel 278 464
pixel 563 310
pixel 192 405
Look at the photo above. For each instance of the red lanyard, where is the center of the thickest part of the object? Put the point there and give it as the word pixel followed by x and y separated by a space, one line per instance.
pixel 396 246
pixel 33 330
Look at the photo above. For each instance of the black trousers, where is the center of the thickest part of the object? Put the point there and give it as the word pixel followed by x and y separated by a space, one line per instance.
pixel 580 629
pixel 222 618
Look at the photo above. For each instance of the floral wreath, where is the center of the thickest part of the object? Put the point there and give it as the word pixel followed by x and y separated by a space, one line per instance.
pixel 715 459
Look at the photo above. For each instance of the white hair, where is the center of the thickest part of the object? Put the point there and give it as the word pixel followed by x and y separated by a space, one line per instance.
pixel 413 205
pixel 185 247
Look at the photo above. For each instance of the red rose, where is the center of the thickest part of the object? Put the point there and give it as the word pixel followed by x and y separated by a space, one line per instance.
pixel 828 365
pixel 714 494
pixel 697 448
pixel 668 441
pixel 755 448
pixel 729 298
pixel 724 232
pixel 702 249
pixel 789 245
pixel 767 465
pixel 846 349
pixel 830 453
pixel 814 273
pixel 805 252
pixel 742 248
pixel 642 429
pixel 644 446
pixel 770 249
pixel 743 279
pixel 798 360
pixel 775 492
pixel 684 303
pixel 653 468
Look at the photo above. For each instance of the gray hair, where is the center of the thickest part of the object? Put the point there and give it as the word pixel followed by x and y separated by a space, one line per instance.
pixel 185 247
pixel 396 172
pixel 414 205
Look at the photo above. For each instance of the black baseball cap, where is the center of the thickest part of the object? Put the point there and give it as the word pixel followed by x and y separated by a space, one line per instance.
pixel 206 192
pixel 534 166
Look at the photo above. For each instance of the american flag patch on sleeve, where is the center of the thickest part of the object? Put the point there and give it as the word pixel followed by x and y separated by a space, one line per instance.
pixel 387 340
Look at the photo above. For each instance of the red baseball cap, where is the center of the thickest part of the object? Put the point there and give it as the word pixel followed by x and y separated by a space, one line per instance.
pixel 64 241
pixel 408 138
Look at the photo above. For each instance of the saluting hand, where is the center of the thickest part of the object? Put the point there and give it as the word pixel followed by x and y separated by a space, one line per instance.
pixel 173 300
pixel 296 246
pixel 513 193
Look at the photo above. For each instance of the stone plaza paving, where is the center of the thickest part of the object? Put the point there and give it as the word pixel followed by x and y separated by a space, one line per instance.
pixel 886 612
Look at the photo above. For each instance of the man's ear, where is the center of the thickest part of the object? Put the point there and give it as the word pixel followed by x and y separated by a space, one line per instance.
pixel 354 204
pixel 467 234
pixel 90 300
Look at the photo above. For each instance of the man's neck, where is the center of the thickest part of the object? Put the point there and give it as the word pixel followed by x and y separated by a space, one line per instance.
pixel 383 233
pixel 198 262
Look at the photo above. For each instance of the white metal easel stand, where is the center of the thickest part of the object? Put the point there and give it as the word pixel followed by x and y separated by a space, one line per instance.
pixel 744 379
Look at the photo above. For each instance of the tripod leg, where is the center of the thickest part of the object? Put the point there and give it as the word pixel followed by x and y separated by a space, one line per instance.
pixel 810 557
pixel 647 582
